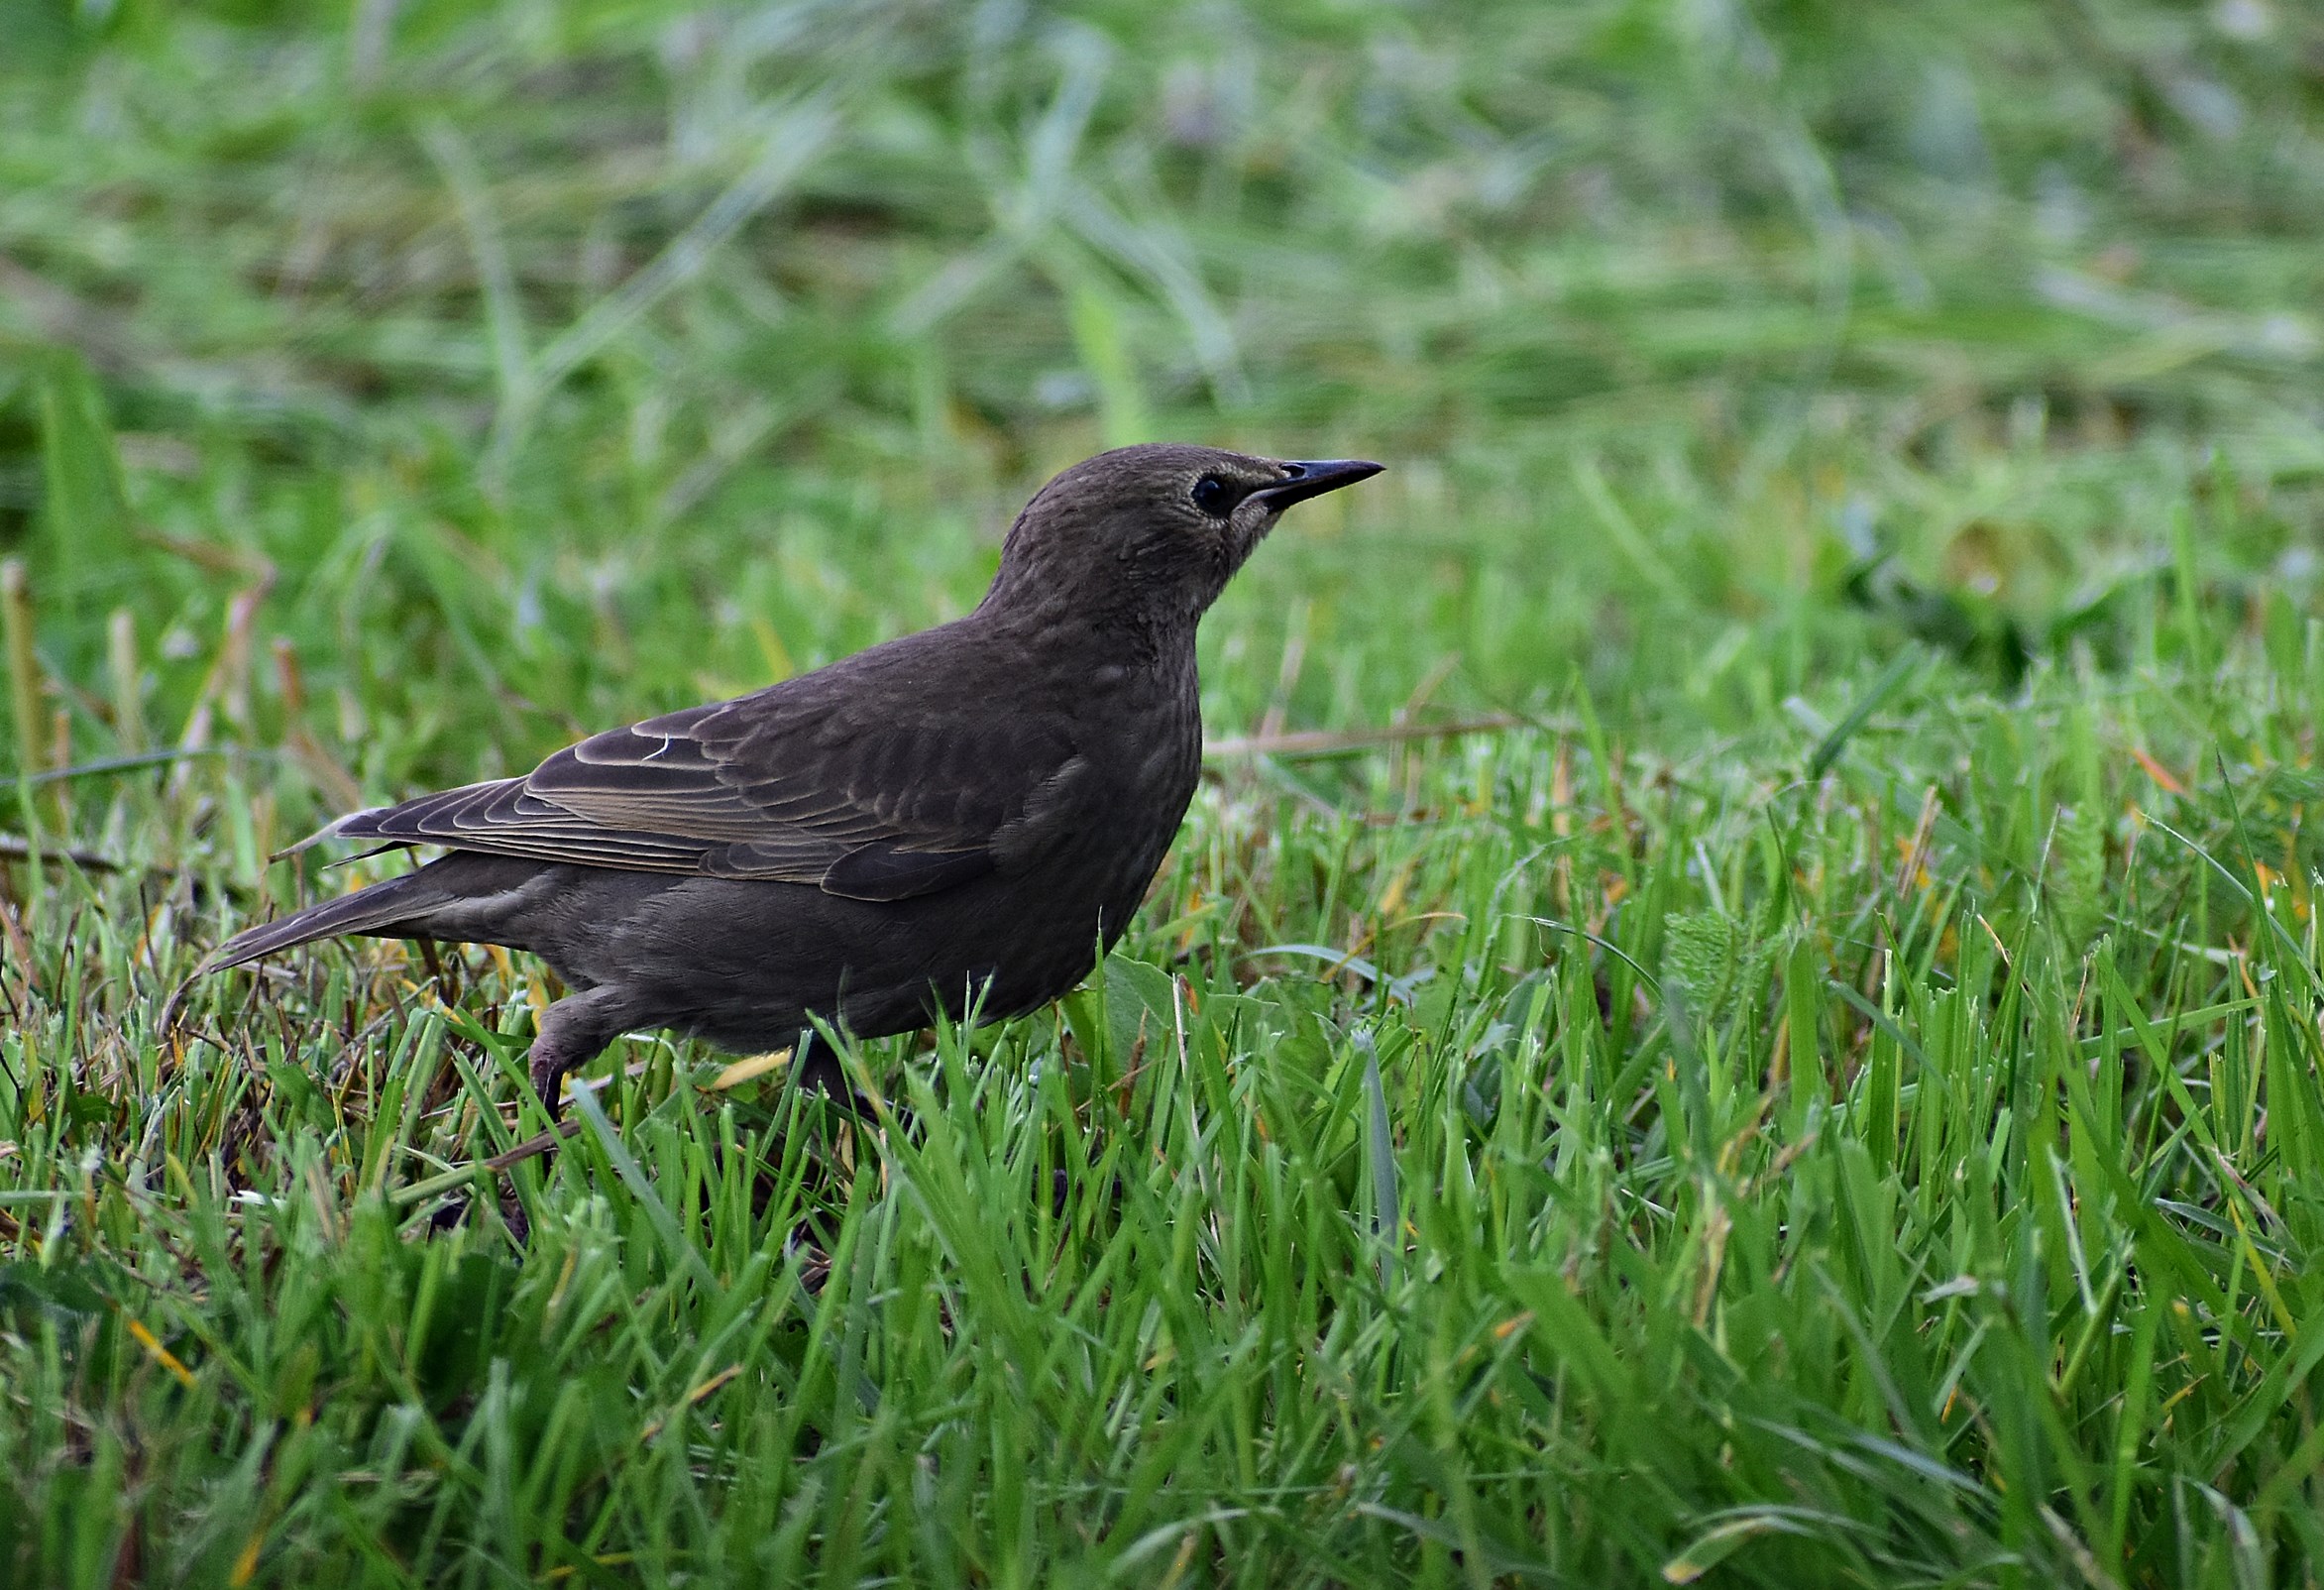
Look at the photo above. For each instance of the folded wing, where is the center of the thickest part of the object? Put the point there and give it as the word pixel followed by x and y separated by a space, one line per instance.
pixel 797 783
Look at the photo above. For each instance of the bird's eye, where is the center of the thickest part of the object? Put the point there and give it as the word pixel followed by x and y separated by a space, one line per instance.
pixel 1214 497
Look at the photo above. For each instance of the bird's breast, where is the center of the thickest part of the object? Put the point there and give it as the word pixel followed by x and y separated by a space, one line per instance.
pixel 1156 747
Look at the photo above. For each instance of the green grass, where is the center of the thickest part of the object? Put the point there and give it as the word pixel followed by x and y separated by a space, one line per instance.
pixel 1823 1090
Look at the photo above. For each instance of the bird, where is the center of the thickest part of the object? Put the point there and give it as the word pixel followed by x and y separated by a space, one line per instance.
pixel 959 820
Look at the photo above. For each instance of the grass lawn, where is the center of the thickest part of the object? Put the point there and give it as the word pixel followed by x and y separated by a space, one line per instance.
pixel 1740 1004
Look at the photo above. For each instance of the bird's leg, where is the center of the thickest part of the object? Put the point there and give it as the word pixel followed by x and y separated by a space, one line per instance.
pixel 572 1033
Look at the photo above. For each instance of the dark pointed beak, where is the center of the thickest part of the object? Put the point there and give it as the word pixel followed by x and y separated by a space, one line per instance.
pixel 1313 478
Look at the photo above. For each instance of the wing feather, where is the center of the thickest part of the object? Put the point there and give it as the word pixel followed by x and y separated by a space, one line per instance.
pixel 788 785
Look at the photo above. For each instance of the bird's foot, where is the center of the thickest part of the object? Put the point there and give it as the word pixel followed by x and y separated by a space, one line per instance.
pixel 548 1081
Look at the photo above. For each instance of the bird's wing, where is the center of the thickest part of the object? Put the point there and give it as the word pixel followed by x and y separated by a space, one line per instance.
pixel 804 785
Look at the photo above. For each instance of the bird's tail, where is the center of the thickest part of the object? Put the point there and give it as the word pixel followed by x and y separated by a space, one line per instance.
pixel 383 905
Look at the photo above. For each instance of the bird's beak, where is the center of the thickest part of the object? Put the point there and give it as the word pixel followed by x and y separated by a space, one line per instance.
pixel 1313 478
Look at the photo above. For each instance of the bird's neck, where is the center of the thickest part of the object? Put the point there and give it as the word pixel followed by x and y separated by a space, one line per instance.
pixel 1133 634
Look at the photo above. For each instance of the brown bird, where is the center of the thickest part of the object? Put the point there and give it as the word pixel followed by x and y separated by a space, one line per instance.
pixel 962 818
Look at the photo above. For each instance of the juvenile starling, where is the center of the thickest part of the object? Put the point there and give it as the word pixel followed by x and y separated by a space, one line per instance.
pixel 958 818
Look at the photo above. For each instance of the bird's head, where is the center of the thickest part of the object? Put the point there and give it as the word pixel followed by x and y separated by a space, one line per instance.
pixel 1154 533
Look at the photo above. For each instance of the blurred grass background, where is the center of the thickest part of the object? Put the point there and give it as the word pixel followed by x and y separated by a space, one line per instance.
pixel 1872 456
pixel 491 328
